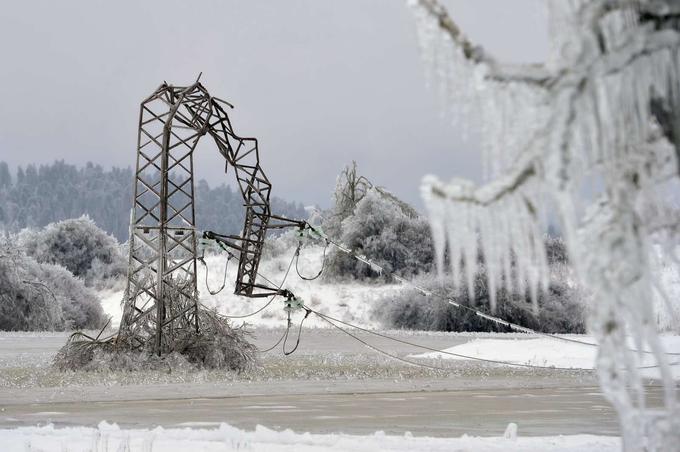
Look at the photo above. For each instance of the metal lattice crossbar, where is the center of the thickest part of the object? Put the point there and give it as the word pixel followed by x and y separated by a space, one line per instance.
pixel 162 296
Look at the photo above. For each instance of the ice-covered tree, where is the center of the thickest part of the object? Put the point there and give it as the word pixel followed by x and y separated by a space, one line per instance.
pixel 350 188
pixel 387 231
pixel 79 246
pixel 43 297
pixel 602 111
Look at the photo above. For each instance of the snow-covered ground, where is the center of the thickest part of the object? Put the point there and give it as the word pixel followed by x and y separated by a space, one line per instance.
pixel 107 437
pixel 349 301
pixel 549 352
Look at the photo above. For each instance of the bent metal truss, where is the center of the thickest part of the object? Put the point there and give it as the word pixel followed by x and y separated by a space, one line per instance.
pixel 161 297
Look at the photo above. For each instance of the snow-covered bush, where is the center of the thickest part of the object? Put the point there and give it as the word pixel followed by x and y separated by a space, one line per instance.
pixel 79 246
pixel 388 233
pixel 25 305
pixel 43 297
pixel 561 308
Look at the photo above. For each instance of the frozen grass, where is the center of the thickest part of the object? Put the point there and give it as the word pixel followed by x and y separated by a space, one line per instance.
pixel 109 437
pixel 273 368
pixel 215 346
pixel 336 363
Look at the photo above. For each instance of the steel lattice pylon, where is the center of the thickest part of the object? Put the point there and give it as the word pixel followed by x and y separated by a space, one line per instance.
pixel 162 295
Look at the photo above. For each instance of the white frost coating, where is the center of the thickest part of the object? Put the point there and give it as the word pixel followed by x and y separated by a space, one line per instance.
pixel 586 115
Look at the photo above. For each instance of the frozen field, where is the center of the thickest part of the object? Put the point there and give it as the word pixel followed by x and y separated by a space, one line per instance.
pixel 331 385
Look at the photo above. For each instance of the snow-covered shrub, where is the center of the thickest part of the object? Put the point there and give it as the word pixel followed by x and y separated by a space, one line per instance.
pixel 81 307
pixel 78 245
pixel 561 309
pixel 25 305
pixel 388 233
pixel 43 297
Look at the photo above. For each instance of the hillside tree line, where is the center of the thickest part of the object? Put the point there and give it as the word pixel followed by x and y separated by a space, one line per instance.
pixel 38 195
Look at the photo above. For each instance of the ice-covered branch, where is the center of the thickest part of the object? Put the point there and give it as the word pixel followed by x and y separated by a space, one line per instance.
pixel 485 195
pixel 527 73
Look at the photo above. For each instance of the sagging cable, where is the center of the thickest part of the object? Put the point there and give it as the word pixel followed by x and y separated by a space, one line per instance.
pixel 224 280
pixel 323 264
pixel 427 293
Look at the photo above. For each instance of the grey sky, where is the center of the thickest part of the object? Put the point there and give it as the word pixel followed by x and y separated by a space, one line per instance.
pixel 319 82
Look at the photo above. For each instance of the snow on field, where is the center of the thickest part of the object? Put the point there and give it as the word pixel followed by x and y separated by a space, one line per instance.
pixel 547 352
pixel 351 302
pixel 112 305
pixel 227 438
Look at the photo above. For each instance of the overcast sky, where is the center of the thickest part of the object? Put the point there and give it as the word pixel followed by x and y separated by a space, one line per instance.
pixel 319 82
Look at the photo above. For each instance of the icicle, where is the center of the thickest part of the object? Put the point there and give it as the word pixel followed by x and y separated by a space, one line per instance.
pixel 437 212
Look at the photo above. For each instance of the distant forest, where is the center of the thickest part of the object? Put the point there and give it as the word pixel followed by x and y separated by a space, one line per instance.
pixel 38 195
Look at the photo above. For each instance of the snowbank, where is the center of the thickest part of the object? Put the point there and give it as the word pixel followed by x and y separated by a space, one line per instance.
pixel 548 352
pixel 228 438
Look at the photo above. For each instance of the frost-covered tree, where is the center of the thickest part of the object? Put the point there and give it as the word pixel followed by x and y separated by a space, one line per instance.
pixel 350 188
pixel 602 111
pixel 386 230
pixel 44 194
pixel 77 245
pixel 43 297
pixel 5 176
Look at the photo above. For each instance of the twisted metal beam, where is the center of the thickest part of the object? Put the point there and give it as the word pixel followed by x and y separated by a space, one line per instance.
pixel 162 296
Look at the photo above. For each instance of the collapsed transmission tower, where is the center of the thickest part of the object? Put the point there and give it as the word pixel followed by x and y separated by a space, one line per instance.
pixel 161 299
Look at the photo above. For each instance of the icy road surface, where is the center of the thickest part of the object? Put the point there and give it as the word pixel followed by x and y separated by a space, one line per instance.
pixel 331 385
pixel 538 412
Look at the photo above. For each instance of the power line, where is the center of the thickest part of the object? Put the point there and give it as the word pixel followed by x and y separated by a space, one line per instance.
pixel 323 264
pixel 330 320
pixel 373 347
pixel 452 302
pixel 284 335
pixel 297 343
pixel 420 289
pixel 224 280
pixel 271 299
